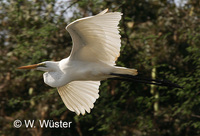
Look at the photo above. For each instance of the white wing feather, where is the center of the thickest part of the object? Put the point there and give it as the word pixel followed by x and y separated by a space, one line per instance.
pixel 96 38
pixel 79 96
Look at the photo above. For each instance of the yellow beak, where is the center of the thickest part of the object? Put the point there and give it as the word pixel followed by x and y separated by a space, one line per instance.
pixel 30 66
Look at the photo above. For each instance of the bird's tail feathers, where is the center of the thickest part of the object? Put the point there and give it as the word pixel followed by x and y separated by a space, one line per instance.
pixel 121 73
pixel 125 71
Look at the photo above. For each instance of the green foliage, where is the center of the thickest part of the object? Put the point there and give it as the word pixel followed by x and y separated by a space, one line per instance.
pixel 154 34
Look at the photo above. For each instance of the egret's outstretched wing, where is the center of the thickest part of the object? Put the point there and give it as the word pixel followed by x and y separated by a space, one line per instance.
pixel 96 38
pixel 79 96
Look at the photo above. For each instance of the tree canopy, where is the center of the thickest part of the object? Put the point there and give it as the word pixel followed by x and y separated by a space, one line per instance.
pixel 159 38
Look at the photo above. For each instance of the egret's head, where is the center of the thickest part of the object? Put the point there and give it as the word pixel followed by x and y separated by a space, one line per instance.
pixel 44 66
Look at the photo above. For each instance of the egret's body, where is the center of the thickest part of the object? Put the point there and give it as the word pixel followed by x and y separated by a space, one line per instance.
pixel 96 47
pixel 65 71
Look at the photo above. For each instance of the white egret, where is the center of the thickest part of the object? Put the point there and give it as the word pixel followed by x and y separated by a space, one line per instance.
pixel 96 47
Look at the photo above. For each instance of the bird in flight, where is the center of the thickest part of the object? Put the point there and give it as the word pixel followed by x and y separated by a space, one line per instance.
pixel 96 47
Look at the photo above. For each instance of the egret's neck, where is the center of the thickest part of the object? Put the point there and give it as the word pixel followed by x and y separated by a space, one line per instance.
pixel 64 63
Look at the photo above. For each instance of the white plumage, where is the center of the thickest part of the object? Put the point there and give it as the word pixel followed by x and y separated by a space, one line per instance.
pixel 79 96
pixel 96 38
pixel 96 47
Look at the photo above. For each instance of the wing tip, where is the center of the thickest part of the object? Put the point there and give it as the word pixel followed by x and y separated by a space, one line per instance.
pixel 103 12
pixel 106 10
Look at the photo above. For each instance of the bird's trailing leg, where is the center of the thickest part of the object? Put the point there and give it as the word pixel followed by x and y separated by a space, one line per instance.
pixel 139 79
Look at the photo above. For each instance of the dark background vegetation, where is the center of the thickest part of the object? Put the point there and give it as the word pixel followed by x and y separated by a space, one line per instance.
pixel 159 38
